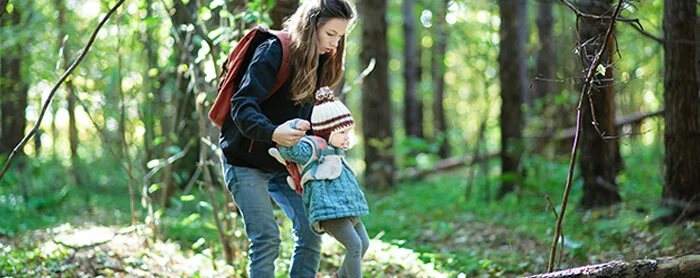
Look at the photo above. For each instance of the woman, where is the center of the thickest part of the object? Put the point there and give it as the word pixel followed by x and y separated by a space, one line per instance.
pixel 317 30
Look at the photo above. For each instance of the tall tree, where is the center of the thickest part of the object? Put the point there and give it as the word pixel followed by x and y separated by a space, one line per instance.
pixel 182 128
pixel 438 74
pixel 411 122
pixel 3 5
pixel 681 192
pixel 13 91
pixel 376 97
pixel 152 93
pixel 545 56
pixel 70 94
pixel 513 77
pixel 599 158
pixel 281 10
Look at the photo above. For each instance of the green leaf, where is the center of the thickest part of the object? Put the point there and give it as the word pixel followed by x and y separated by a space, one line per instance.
pixel 189 219
pixel 153 163
pixel 198 243
pixel 186 198
pixel 206 205
pixel 216 3
pixel 210 226
pixel 600 69
pixel 154 187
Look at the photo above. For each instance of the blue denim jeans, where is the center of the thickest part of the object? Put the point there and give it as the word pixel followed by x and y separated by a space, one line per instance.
pixel 251 189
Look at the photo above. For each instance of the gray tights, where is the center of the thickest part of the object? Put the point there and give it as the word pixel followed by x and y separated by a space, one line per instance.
pixel 350 232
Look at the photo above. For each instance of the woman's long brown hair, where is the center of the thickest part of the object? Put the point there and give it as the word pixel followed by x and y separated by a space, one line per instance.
pixel 303 27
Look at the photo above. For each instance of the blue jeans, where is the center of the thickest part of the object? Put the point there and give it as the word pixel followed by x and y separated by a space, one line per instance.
pixel 251 189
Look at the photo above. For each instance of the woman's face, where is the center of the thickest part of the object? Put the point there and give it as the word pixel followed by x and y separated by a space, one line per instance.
pixel 329 34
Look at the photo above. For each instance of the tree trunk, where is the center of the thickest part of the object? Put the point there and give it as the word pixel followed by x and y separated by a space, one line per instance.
pixel 598 160
pixel 678 267
pixel 13 96
pixel 281 10
pixel 410 73
pixel 681 192
pixel 183 126
pixel 513 77
pixel 3 5
pixel 70 100
pixel 152 94
pixel 376 97
pixel 543 86
pixel 438 74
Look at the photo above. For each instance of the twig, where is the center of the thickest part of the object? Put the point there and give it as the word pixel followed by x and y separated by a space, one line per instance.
pixel 70 70
pixel 554 210
pixel 584 91
pixel 363 74
pixel 225 241
pixel 647 34
pixel 600 17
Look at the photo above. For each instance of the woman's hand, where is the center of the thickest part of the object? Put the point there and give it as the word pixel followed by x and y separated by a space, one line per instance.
pixel 286 135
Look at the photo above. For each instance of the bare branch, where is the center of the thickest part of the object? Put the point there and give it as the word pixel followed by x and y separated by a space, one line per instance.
pixel 70 70
pixel 585 90
pixel 639 28
pixel 600 17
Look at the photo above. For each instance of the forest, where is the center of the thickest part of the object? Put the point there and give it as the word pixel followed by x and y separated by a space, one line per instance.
pixel 508 138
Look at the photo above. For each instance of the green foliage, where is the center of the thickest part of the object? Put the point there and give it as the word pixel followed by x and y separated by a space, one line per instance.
pixel 513 236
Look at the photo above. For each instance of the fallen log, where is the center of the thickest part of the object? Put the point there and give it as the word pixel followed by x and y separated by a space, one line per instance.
pixel 442 165
pixel 687 266
pixel 633 119
pixel 566 135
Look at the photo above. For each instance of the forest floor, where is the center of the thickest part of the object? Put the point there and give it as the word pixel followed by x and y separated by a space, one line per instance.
pixel 93 251
pixel 442 226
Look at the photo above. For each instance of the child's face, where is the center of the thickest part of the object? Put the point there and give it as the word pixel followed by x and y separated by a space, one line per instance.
pixel 340 139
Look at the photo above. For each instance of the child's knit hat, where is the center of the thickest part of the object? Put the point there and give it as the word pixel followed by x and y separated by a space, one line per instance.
pixel 329 114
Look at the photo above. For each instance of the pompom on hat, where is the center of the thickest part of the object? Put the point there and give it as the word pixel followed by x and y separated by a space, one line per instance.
pixel 329 114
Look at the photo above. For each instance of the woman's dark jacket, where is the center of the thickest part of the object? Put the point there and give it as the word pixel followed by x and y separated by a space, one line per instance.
pixel 247 134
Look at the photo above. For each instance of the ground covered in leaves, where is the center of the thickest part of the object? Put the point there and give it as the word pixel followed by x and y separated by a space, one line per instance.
pixel 93 251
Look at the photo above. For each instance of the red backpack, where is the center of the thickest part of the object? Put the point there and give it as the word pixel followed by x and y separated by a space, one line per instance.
pixel 237 64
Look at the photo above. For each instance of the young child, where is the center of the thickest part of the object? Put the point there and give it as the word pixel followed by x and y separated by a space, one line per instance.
pixel 331 196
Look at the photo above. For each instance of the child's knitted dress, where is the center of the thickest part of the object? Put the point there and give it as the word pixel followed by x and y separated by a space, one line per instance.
pixel 326 196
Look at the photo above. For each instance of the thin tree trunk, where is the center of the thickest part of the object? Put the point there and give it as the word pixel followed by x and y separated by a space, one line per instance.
pixel 410 115
pixel 152 93
pixel 75 171
pixel 543 86
pixel 3 5
pixel 598 160
pixel 204 165
pixel 681 192
pixel 13 96
pixel 513 77
pixel 438 73
pixel 182 128
pixel 281 10
pixel 376 99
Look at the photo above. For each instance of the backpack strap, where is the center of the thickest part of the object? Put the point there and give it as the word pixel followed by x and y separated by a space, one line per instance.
pixel 235 67
pixel 283 74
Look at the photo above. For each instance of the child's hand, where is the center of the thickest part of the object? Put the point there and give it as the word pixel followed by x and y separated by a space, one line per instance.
pixel 287 134
pixel 302 125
